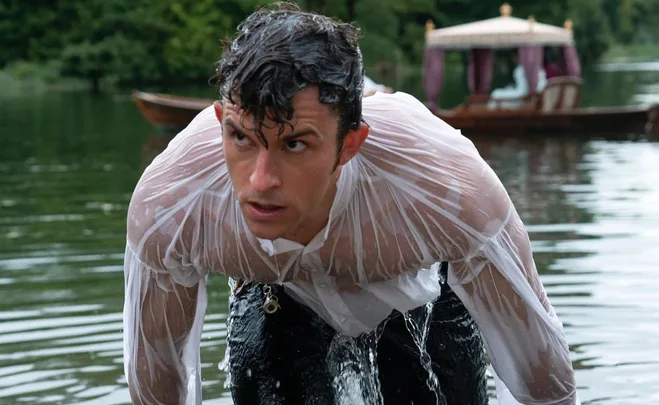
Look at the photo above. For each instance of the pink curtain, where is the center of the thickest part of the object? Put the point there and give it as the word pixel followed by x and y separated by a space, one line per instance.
pixel 433 74
pixel 530 57
pixel 479 71
pixel 571 64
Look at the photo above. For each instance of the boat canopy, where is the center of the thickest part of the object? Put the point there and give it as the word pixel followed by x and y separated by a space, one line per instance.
pixel 504 31
pixel 482 37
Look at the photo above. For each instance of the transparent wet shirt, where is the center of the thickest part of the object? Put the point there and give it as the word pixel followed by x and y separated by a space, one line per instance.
pixel 418 193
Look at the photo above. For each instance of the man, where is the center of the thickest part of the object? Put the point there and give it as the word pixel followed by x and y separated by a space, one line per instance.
pixel 343 231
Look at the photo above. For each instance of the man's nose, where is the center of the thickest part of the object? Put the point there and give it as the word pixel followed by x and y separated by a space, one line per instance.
pixel 265 175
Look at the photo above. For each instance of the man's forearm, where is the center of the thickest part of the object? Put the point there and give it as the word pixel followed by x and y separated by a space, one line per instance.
pixel 156 384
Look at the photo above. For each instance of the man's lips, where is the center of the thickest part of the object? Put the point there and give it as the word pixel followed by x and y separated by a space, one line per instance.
pixel 264 211
pixel 265 206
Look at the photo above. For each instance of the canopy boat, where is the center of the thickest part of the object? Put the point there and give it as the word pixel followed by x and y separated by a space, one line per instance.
pixel 555 109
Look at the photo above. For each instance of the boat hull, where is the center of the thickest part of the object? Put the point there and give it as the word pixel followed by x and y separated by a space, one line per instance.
pixel 171 114
pixel 579 121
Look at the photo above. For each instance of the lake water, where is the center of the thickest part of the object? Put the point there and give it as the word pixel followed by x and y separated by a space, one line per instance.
pixel 69 162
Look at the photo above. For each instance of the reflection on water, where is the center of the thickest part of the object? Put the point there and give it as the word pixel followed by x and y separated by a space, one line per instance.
pixel 68 164
pixel 651 66
pixel 648 94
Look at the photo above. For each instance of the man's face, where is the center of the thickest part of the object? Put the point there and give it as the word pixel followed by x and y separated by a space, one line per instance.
pixel 287 189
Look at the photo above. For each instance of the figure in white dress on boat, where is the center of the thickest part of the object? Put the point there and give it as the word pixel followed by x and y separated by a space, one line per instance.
pixel 511 96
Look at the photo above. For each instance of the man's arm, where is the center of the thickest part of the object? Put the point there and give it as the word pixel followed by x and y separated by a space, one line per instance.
pixel 524 338
pixel 165 268
pixel 165 300
pixel 453 207
pixel 493 273
pixel 162 327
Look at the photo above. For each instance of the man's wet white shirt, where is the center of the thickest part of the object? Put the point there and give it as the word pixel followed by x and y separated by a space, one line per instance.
pixel 417 194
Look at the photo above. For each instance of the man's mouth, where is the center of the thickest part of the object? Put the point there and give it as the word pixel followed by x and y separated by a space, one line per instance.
pixel 265 211
pixel 265 207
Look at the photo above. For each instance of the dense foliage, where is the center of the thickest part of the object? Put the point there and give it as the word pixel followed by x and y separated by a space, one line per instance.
pixel 138 41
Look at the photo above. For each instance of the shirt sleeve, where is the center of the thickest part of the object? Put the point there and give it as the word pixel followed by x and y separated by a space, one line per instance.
pixel 162 322
pixel 456 209
pixel 164 272
pixel 501 289
pixel 183 222
pixel 493 272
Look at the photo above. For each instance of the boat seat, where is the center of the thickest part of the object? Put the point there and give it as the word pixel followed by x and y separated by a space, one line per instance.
pixel 561 93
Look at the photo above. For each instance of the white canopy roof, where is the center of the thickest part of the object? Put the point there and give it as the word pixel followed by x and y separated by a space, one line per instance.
pixel 500 32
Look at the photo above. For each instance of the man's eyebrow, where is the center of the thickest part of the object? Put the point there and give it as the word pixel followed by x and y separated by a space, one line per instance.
pixel 285 138
pixel 233 126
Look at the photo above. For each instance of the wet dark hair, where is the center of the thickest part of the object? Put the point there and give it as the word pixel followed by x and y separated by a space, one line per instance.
pixel 280 49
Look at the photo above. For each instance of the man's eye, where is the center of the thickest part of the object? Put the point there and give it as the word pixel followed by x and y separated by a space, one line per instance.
pixel 296 146
pixel 240 139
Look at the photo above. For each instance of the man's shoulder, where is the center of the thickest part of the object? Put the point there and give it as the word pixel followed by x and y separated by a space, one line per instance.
pixel 203 125
pixel 417 154
pixel 196 147
pixel 401 115
pixel 191 164
pixel 403 129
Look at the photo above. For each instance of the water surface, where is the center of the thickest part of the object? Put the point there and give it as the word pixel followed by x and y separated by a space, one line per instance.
pixel 69 162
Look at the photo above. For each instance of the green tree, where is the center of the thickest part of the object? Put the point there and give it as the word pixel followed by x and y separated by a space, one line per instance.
pixel 122 39
pixel 195 40
pixel 167 41
pixel 591 29
pixel 648 20
pixel 627 20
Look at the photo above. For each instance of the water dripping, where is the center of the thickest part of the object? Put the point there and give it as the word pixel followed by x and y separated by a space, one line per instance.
pixel 353 365
pixel 419 329
pixel 224 364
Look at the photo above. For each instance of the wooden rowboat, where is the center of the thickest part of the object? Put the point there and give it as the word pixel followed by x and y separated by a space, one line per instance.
pixel 168 113
pixel 171 114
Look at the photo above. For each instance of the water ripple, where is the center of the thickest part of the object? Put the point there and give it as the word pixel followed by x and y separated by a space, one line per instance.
pixel 592 210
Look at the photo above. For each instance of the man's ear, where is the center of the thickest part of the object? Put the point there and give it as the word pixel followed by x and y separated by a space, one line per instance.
pixel 218 110
pixel 353 143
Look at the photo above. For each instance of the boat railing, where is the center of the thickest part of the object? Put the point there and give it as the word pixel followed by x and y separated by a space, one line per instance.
pixel 561 93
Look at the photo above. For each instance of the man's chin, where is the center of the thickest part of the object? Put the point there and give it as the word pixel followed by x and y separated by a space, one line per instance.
pixel 265 231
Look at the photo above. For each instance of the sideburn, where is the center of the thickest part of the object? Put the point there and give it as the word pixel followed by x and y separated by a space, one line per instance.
pixel 338 153
pixel 340 141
